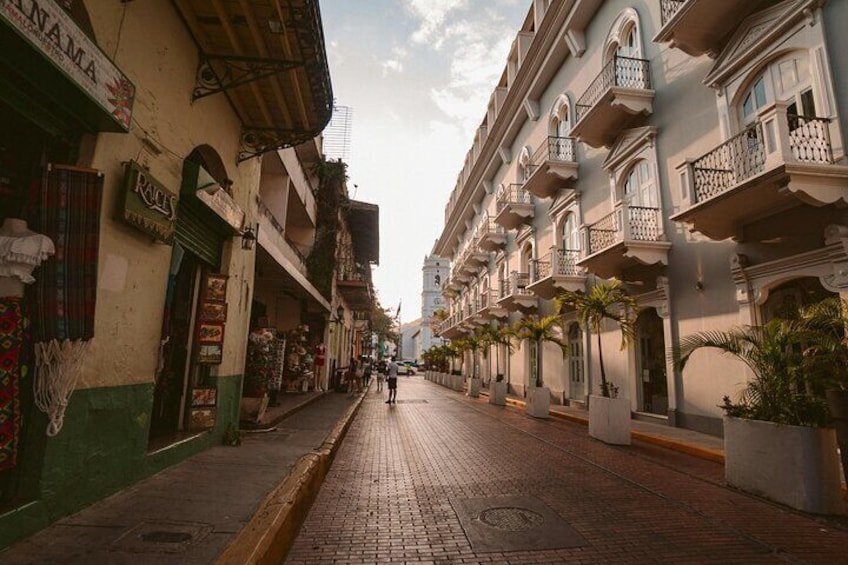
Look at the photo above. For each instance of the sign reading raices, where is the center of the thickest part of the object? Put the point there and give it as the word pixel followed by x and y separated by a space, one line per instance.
pixel 52 31
pixel 148 205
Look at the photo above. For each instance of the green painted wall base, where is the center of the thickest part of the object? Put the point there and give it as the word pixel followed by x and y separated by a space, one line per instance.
pixel 101 449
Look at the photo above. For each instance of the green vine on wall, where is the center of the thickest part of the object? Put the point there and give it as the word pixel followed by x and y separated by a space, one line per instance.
pixel 330 198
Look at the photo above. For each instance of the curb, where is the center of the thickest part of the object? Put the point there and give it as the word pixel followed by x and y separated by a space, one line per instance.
pixel 706 453
pixel 267 537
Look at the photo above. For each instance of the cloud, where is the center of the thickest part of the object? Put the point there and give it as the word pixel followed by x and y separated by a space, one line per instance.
pixel 476 46
pixel 395 64
pixel 432 14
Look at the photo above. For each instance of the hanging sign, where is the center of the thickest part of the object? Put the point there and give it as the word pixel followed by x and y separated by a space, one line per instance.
pixel 50 30
pixel 148 205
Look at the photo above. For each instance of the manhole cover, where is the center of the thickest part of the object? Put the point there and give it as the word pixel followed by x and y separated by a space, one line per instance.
pixel 511 519
pixel 166 537
pixel 513 523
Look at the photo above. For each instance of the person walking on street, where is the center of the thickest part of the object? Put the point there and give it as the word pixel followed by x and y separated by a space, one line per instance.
pixel 381 375
pixel 392 381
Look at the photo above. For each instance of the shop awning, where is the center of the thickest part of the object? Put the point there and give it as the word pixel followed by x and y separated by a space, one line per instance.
pixel 268 58
pixel 56 75
pixel 364 225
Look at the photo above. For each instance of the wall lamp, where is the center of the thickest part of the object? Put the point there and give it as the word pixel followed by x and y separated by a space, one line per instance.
pixel 338 318
pixel 248 237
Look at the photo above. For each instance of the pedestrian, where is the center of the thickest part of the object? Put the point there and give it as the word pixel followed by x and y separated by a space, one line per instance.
pixel 351 376
pixel 392 381
pixel 367 371
pixel 360 375
pixel 381 375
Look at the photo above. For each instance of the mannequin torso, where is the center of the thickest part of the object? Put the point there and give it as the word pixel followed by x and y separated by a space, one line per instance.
pixel 21 251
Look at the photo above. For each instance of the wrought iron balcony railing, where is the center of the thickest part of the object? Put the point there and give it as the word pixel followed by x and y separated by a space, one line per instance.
pixel 627 223
pixel 559 149
pixel 668 8
pixel 557 263
pixel 744 155
pixel 512 194
pixel 622 72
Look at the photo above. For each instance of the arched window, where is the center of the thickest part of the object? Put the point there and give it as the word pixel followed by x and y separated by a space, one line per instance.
pixel 526 257
pixel 560 120
pixel 639 188
pixel 525 165
pixel 788 79
pixel 569 234
pixel 623 39
pixel 629 44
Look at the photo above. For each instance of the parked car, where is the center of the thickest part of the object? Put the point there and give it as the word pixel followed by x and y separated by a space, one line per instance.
pixel 403 369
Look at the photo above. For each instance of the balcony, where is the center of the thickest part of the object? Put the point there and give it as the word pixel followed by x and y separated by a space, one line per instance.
pixel 514 207
pixel 515 295
pixel 491 237
pixel 697 27
pixel 555 272
pixel 612 102
pixel 450 327
pixel 489 309
pixel 553 166
pixel 354 282
pixel 780 161
pixel 629 236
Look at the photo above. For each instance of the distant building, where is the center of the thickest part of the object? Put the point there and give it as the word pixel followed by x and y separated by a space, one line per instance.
pixel 435 273
pixel 410 340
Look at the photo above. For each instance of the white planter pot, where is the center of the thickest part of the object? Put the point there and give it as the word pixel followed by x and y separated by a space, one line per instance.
pixel 538 402
pixel 458 382
pixel 609 419
pixel 794 465
pixel 474 388
pixel 497 393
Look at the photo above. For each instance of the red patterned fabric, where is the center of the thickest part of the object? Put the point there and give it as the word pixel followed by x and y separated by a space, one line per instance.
pixel 13 369
pixel 66 208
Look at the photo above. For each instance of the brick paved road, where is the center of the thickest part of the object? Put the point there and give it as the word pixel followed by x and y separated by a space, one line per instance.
pixel 403 470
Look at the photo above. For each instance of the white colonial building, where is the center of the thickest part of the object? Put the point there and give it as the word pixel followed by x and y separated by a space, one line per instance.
pixel 693 149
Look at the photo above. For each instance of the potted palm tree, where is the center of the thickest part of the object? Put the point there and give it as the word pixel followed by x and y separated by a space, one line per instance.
pixel 474 343
pixel 827 357
pixel 776 442
pixel 538 331
pixel 454 350
pixel 609 414
pixel 493 336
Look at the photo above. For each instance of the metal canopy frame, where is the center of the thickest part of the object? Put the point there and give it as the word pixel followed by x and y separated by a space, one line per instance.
pixel 268 57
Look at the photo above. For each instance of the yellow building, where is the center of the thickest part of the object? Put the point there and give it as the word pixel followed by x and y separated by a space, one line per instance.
pixel 158 201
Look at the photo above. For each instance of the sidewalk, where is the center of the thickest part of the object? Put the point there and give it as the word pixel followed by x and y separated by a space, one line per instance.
pixel 679 439
pixel 192 512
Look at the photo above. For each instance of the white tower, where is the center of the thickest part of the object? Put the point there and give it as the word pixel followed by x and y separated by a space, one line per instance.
pixel 435 274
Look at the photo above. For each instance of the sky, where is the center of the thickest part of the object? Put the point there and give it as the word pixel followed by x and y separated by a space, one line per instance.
pixel 418 75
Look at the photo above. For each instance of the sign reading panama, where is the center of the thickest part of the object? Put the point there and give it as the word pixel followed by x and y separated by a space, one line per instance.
pixel 50 30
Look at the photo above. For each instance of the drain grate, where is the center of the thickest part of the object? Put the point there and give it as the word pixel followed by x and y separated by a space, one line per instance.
pixel 511 519
pixel 162 537
pixel 412 401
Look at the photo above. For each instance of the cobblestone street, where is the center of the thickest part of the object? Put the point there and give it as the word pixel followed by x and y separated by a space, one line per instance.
pixel 442 478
